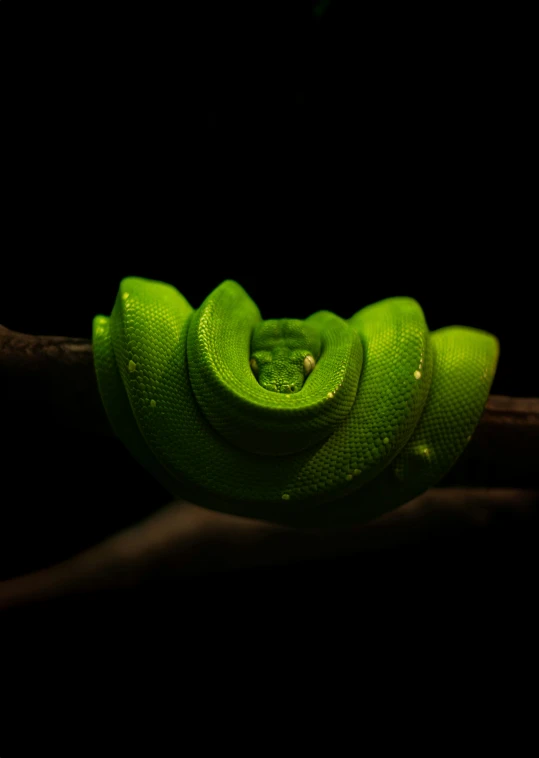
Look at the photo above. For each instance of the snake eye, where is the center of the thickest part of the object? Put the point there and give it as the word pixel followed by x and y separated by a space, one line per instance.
pixel 254 366
pixel 308 364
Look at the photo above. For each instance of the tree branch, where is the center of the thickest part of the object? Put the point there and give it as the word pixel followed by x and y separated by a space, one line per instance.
pixel 55 377
pixel 183 540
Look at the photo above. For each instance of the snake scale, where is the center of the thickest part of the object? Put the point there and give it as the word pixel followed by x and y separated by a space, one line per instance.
pixel 318 422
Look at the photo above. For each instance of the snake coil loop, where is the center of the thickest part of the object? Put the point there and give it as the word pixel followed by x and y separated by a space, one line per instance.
pixel 321 422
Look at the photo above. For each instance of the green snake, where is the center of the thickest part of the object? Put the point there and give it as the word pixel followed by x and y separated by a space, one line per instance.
pixel 318 422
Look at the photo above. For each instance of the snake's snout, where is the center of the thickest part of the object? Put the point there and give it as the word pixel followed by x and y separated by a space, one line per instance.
pixel 279 387
pixel 286 388
pixel 281 376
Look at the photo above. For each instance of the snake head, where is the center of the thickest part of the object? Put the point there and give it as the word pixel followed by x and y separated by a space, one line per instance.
pixel 283 354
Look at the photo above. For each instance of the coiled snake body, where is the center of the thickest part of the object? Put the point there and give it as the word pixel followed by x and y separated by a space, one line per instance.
pixel 320 422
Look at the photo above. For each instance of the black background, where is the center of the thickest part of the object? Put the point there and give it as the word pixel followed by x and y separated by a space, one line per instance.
pixel 322 164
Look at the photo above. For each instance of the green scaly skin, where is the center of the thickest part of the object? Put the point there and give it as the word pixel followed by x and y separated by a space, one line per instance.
pixel 321 422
